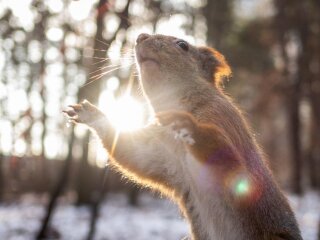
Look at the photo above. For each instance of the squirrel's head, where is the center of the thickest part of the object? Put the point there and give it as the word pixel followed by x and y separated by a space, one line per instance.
pixel 167 63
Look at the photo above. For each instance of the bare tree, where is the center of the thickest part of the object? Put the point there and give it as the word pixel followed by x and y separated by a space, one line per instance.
pixel 292 84
pixel 91 92
pixel 319 230
pixel 45 230
pixel 218 15
pixel 1 177
pixel 314 93
pixel 298 19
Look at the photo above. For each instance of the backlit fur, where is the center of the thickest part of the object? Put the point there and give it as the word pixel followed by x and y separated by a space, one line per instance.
pixel 220 181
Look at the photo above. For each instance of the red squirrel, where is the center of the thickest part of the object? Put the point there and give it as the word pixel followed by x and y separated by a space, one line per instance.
pixel 201 153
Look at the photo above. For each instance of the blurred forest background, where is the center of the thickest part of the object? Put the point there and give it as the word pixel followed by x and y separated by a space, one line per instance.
pixel 57 52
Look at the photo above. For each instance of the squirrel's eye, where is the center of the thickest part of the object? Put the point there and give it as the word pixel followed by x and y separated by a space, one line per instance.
pixel 183 44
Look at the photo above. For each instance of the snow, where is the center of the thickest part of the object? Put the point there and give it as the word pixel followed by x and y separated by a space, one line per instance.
pixel 154 218
pixel 307 210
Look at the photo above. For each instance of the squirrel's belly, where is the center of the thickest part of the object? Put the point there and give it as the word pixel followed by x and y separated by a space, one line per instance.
pixel 212 213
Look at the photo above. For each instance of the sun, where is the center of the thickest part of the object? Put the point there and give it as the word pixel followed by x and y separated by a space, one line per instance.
pixel 125 113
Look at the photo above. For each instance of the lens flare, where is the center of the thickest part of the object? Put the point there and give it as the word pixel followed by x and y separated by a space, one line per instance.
pixel 240 184
pixel 245 189
pixel 242 187
pixel 125 113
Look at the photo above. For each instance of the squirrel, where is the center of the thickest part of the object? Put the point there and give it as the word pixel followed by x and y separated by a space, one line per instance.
pixel 202 152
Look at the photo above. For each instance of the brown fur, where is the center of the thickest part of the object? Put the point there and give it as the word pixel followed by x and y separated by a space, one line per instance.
pixel 183 87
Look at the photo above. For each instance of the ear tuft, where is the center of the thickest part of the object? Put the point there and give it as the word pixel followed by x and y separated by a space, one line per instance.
pixel 218 64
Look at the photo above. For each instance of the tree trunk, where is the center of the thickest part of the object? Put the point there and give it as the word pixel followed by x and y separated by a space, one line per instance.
pixel 286 22
pixel 294 123
pixel 95 206
pixel 92 89
pixel 84 186
pixel 314 151
pixel 44 231
pixel 219 19
pixel 86 193
pixel 314 92
pixel 40 33
pixel 133 196
pixel 91 92
pixel 1 177
pixel 98 197
pixel 318 230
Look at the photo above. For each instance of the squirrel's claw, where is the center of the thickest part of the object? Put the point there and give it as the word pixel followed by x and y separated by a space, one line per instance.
pixel 83 112
pixel 70 112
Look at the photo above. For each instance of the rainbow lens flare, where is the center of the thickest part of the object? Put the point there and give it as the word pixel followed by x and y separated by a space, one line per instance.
pixel 242 187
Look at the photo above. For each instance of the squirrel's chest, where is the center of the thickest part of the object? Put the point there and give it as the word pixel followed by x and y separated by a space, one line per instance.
pixel 206 204
pixel 201 176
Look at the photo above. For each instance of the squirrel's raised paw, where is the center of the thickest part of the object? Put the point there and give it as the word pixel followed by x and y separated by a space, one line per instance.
pixel 182 125
pixel 83 112
pixel 184 135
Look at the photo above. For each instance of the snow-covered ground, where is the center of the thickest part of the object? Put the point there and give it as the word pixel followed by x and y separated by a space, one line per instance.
pixel 307 210
pixel 156 219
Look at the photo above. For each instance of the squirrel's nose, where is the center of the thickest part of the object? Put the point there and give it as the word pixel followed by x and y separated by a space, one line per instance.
pixel 142 37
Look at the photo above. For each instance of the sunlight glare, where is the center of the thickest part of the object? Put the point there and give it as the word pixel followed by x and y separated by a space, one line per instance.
pixel 125 113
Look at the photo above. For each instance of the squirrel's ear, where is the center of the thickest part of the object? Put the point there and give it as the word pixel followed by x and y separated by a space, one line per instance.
pixel 214 65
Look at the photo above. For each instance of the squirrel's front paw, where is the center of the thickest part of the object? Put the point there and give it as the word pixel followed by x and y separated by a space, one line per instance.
pixel 84 112
pixel 182 125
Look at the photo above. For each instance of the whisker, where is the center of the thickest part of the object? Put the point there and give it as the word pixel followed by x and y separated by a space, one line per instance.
pixel 101 68
pixel 94 49
pixel 106 59
pixel 100 61
pixel 100 58
pixel 126 51
pixel 98 76
pixel 106 44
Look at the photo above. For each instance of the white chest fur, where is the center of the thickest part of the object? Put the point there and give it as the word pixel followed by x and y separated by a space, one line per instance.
pixel 210 215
